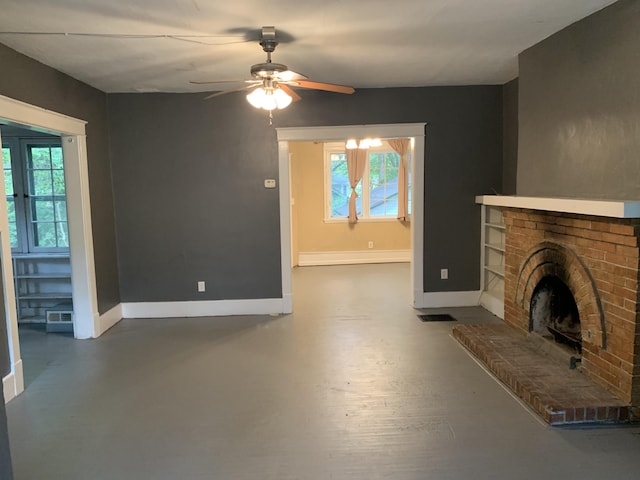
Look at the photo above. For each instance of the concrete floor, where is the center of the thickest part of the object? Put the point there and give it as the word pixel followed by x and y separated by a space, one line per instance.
pixel 351 386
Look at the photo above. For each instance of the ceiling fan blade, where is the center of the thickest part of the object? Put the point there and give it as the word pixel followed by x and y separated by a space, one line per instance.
pixel 289 91
pixel 329 87
pixel 206 82
pixel 289 75
pixel 224 92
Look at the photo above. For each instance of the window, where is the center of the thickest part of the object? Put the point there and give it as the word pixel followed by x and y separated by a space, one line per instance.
pixel 377 191
pixel 11 200
pixel 36 195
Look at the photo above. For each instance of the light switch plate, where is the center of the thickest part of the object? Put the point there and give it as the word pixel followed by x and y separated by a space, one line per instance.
pixel 269 183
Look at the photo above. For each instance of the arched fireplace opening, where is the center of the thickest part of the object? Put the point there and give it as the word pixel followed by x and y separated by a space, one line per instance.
pixel 554 313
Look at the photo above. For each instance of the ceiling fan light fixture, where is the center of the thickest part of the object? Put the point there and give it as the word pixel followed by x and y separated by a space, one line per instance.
pixel 269 98
pixel 283 99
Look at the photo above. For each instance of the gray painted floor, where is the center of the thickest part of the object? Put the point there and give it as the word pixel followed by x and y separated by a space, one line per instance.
pixel 351 386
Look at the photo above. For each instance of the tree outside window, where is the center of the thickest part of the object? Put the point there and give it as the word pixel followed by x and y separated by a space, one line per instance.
pixel 377 192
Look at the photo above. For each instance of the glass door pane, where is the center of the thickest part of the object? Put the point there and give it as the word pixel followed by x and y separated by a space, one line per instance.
pixel 11 200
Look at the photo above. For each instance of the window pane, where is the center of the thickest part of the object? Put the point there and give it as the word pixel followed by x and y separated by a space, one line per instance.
pixel 61 210
pixel 45 234
pixel 6 158
pixel 8 174
pixel 339 185
pixel 8 182
pixel 11 201
pixel 383 184
pixel 56 158
pixel 40 158
pixel 41 182
pixel 13 234
pixel 11 211
pixel 42 210
pixel 63 234
pixel 58 182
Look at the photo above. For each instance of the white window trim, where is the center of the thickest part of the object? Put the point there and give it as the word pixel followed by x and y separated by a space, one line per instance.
pixel 29 243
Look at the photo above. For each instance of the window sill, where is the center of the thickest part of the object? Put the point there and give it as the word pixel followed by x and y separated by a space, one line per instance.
pixel 365 220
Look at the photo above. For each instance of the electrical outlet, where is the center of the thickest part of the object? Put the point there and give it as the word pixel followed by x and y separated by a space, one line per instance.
pixel 444 274
pixel 201 286
pixel 370 243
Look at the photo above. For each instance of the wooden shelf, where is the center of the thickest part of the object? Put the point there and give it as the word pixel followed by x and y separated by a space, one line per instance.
pixel 496 269
pixel 495 225
pixel 46 296
pixel 44 276
pixel 492 268
pixel 42 281
pixel 498 247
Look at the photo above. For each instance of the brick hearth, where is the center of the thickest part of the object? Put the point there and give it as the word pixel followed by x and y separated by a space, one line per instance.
pixel 540 377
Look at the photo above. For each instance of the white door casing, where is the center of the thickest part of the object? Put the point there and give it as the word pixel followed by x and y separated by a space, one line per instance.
pixel 85 305
pixel 341 133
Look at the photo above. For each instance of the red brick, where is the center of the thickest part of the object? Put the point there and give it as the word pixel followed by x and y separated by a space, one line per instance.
pixel 601 226
pixel 621 229
pixel 626 250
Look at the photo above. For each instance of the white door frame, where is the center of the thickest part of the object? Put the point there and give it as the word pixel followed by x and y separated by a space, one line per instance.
pixel 341 133
pixel 85 304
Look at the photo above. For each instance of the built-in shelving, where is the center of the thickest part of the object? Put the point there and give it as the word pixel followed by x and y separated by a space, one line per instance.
pixel 492 260
pixel 42 284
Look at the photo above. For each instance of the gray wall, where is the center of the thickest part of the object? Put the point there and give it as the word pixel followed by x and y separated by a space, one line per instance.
pixel 190 198
pixel 509 137
pixel 579 104
pixel 190 203
pixel 34 83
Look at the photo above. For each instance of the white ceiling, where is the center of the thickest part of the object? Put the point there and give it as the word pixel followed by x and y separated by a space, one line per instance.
pixel 363 43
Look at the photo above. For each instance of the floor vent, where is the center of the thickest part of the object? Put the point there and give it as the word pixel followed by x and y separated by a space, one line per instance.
pixel 440 317
pixel 59 321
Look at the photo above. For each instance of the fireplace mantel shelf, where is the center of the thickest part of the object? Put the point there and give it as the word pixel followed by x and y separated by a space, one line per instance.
pixel 601 208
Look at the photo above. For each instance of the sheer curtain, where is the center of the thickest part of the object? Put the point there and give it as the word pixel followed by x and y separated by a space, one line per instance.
pixel 356 161
pixel 401 146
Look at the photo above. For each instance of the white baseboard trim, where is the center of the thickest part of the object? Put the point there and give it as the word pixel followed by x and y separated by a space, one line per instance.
pixel 287 303
pixel 307 259
pixel 13 384
pixel 206 308
pixel 493 304
pixel 109 319
pixel 450 299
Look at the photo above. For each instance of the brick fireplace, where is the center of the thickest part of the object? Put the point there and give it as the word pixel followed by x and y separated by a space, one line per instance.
pixel 597 258
pixel 571 275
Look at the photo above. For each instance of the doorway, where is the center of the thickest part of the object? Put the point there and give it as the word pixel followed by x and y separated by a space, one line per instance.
pixel 340 133
pixel 71 132
pixel 38 232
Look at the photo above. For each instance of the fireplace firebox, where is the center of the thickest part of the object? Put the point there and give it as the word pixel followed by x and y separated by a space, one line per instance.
pixel 553 313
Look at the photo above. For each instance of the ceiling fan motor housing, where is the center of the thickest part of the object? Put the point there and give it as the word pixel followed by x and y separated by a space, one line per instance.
pixel 267 70
pixel 268 40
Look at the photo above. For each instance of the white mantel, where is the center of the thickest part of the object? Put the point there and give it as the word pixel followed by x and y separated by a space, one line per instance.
pixel 601 208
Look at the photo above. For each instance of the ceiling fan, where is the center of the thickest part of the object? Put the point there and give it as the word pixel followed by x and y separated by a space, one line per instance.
pixel 271 82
